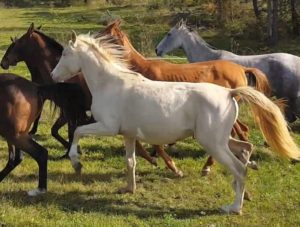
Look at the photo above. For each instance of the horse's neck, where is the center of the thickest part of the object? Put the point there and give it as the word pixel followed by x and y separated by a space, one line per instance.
pixel 97 77
pixel 41 63
pixel 40 71
pixel 137 61
pixel 197 50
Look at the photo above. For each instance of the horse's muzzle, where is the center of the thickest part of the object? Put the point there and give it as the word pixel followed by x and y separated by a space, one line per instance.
pixel 157 52
pixel 4 65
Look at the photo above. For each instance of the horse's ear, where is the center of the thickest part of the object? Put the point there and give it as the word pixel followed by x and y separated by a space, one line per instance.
pixel 118 21
pixel 74 36
pixel 179 24
pixel 39 27
pixel 13 40
pixel 184 22
pixel 30 29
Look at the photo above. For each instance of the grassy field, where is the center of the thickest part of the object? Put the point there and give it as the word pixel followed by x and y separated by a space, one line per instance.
pixel 161 199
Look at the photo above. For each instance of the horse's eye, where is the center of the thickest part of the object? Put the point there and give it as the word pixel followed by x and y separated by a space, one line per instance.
pixel 169 34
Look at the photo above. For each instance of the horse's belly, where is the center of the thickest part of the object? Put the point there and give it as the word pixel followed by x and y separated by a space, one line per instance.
pixel 161 136
pixel 158 130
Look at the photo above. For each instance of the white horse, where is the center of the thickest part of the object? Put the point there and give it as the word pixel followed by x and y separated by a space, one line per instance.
pixel 126 103
pixel 282 69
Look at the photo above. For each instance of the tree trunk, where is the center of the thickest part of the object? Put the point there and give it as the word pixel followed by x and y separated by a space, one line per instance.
pixel 88 2
pixel 272 22
pixel 256 9
pixel 295 18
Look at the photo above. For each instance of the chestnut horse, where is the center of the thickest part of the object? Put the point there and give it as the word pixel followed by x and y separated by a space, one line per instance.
pixel 220 72
pixel 21 103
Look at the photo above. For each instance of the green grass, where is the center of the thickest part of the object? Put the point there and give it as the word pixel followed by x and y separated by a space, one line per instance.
pixel 161 198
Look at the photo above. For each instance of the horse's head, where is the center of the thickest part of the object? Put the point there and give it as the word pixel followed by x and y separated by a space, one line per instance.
pixel 114 30
pixel 18 49
pixel 69 64
pixel 173 40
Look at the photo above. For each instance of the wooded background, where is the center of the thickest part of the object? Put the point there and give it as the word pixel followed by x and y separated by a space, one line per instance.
pixel 266 19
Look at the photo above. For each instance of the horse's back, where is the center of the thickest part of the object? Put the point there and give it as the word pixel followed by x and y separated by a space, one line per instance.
pixel 220 72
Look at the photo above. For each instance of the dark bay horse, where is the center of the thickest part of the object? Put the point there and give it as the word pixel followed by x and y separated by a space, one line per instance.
pixel 41 54
pixel 21 103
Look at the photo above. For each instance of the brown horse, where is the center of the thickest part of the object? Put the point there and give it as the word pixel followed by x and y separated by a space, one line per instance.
pixel 41 54
pixel 223 73
pixel 21 103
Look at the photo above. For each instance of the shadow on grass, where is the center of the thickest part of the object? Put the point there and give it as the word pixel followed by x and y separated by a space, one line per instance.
pixel 85 202
pixel 89 178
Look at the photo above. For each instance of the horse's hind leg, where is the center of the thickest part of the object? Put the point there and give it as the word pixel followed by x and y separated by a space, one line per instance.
pixel 206 168
pixel 40 155
pixel 239 129
pixel 15 157
pixel 168 160
pixel 223 154
pixel 242 130
pixel 61 121
pixel 35 125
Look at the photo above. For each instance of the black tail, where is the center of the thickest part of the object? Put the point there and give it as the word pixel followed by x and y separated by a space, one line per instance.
pixel 69 98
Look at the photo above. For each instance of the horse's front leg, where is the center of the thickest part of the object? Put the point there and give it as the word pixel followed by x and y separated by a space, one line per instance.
pixel 144 154
pixel 15 157
pixel 168 160
pixel 131 163
pixel 98 129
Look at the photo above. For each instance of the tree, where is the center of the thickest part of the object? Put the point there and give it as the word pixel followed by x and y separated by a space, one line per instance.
pixel 273 22
pixel 295 18
pixel 256 9
pixel 88 2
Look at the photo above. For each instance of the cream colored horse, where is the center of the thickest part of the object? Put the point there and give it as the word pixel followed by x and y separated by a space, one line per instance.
pixel 171 111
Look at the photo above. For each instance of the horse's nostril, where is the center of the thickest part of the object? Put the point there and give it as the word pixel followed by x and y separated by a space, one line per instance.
pixel 3 65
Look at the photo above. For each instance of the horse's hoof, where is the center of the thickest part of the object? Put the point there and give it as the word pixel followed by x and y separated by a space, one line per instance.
pixel 36 192
pixel 78 168
pixel 247 196
pixel 253 165
pixel 179 173
pixel 295 161
pixel 126 190
pixel 231 210
pixel 205 172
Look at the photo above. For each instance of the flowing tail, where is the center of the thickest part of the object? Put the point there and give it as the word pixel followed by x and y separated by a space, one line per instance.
pixel 270 120
pixel 260 81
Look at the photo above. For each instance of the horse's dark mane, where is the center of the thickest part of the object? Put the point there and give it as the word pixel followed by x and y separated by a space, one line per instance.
pixel 50 41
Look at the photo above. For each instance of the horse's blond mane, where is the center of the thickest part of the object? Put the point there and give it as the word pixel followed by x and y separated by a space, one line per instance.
pixel 107 50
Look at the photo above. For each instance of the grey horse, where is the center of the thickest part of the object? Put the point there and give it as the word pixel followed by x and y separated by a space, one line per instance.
pixel 282 70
